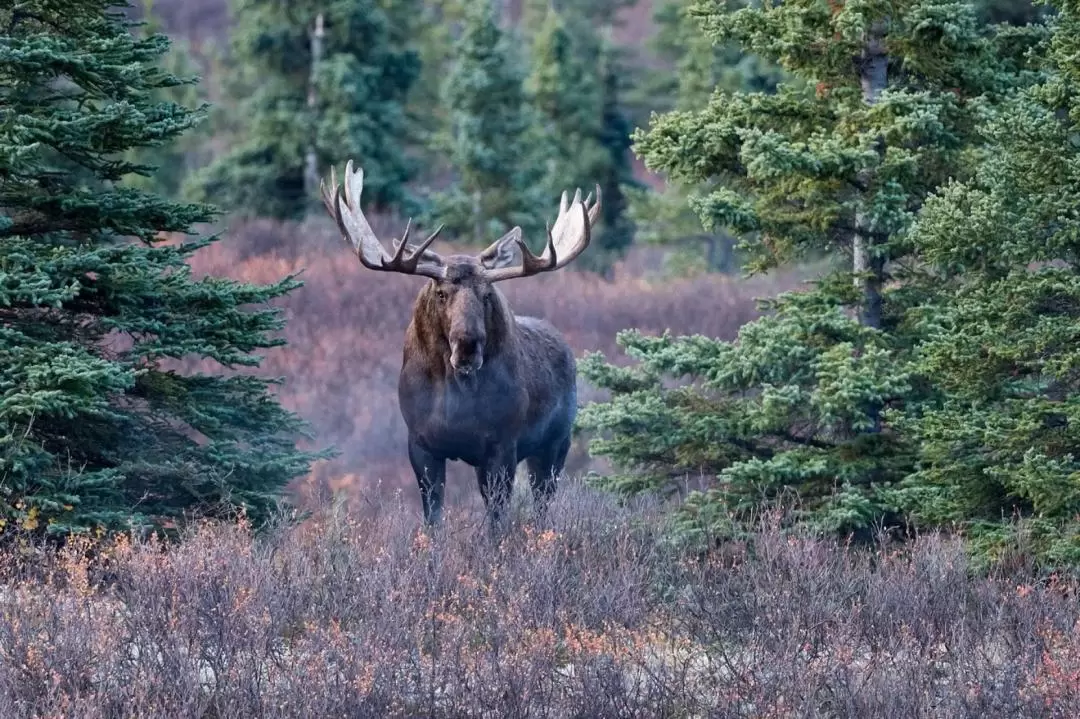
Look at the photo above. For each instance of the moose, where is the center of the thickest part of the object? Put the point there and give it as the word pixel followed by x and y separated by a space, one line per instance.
pixel 478 383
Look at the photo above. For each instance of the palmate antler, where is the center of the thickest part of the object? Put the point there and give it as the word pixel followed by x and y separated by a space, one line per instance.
pixel 358 233
pixel 567 239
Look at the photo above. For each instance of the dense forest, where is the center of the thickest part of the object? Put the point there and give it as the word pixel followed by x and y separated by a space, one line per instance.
pixel 184 333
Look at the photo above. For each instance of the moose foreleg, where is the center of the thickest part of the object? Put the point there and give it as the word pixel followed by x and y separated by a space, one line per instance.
pixel 496 479
pixel 431 476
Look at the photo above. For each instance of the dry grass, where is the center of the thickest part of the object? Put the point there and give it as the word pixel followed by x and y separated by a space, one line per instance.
pixel 346 325
pixel 591 615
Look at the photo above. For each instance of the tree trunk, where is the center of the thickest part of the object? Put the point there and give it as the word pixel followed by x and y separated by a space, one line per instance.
pixel 868 264
pixel 477 217
pixel 311 161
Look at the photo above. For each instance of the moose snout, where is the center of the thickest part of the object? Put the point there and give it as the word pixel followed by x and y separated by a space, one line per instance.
pixel 466 354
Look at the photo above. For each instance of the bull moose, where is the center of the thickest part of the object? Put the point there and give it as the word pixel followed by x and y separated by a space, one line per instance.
pixel 478 383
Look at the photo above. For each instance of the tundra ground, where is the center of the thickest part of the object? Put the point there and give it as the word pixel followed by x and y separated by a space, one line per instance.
pixel 592 614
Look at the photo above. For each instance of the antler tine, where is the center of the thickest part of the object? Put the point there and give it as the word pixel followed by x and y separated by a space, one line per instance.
pixel 430 238
pixel 354 185
pixel 567 241
pixel 410 264
pixel 594 211
pixel 327 196
pixel 396 259
pixel 344 207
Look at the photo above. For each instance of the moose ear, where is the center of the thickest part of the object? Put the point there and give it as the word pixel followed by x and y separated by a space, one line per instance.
pixel 503 252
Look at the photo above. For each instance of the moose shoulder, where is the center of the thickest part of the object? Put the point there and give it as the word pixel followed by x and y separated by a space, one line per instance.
pixel 478 383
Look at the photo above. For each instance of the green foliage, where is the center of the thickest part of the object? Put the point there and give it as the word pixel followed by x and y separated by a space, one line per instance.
pixel 361 85
pixel 692 67
pixel 433 28
pixel 493 144
pixel 97 430
pixel 564 87
pixel 593 12
pixel 1014 12
pixel 574 86
pixel 175 160
pixel 794 403
pixel 616 179
pixel 1001 325
pixel 784 408
pixel 663 217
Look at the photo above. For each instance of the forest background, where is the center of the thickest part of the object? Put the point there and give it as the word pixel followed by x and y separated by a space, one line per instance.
pixel 913 159
pixel 575 90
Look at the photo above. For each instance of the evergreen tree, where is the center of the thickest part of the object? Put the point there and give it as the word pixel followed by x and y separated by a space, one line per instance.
pixel 690 68
pixel 1001 319
pixel 435 28
pixel 96 430
pixel 574 86
pixel 175 160
pixel 832 159
pixel 359 85
pixel 616 231
pixel 1013 12
pixel 596 13
pixel 493 144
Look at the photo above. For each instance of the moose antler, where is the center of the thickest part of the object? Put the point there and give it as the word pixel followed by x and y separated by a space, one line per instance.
pixel 357 232
pixel 565 241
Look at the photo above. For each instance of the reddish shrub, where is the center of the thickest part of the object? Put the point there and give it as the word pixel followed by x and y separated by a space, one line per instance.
pixel 590 615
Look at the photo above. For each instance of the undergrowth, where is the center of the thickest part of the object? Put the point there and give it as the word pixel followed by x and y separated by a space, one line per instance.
pixel 589 613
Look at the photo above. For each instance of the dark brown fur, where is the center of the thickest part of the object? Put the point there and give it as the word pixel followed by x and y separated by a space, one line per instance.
pixel 518 405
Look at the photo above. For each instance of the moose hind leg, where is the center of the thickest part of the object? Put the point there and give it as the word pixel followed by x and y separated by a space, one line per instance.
pixel 544 469
pixel 430 474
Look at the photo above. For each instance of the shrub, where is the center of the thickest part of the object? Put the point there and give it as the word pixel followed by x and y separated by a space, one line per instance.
pixel 590 614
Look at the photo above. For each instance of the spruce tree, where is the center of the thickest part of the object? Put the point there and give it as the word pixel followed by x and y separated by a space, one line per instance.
pixel 999 448
pixel 690 67
pixel 493 144
pixel 841 154
pixel 359 85
pixel 97 427
pixel 596 13
pixel 616 231
pixel 434 29
pixel 565 90
pixel 176 160
pixel 575 87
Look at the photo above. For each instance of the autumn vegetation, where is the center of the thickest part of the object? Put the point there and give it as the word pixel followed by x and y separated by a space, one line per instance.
pixel 593 614
pixel 840 484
